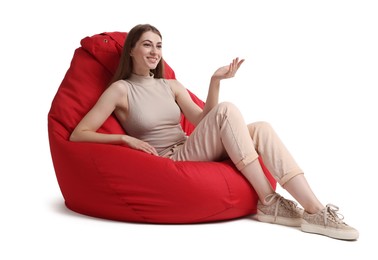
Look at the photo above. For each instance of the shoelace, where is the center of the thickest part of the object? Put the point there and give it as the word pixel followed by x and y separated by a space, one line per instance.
pixel 330 212
pixel 287 203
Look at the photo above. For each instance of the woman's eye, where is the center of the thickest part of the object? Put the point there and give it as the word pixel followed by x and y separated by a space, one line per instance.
pixel 147 45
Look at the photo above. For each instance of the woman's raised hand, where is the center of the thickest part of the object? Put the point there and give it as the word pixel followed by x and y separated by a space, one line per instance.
pixel 228 71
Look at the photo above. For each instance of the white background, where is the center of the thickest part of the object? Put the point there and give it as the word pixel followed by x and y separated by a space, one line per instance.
pixel 310 70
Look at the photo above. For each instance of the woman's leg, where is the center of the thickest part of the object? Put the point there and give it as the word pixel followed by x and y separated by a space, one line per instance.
pixel 223 133
pixel 255 175
pixel 282 165
pixel 316 218
pixel 299 188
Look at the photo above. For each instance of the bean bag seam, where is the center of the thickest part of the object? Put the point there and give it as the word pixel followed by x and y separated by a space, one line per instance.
pixel 113 190
pixel 212 215
pixel 227 207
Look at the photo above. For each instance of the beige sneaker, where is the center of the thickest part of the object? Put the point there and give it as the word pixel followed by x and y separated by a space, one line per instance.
pixel 279 211
pixel 329 223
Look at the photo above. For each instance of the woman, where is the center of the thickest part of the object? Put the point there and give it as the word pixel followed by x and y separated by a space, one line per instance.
pixel 149 109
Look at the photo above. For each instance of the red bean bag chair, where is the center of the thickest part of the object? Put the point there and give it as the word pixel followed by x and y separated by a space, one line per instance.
pixel 119 183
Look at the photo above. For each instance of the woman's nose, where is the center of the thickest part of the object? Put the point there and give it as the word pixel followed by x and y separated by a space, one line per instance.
pixel 154 50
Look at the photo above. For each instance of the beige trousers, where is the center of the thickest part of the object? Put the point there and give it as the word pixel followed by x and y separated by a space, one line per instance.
pixel 223 134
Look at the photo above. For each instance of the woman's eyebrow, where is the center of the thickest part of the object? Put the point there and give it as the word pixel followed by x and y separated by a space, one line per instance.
pixel 150 41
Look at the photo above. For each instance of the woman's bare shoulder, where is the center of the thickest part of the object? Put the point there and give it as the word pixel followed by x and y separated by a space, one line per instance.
pixel 117 92
pixel 119 86
pixel 174 83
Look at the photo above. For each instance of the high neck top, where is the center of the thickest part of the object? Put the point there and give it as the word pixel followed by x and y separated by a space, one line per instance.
pixel 153 114
pixel 144 81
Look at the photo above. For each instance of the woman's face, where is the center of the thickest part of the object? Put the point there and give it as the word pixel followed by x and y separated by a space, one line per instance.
pixel 147 53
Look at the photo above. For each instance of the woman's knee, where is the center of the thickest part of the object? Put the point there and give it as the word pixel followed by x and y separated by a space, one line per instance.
pixel 227 108
pixel 259 126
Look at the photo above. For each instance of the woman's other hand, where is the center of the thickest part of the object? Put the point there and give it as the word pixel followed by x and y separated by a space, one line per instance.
pixel 139 145
pixel 228 71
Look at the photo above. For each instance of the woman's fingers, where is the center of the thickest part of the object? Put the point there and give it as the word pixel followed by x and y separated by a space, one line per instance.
pixel 143 146
pixel 148 149
pixel 234 66
pixel 228 71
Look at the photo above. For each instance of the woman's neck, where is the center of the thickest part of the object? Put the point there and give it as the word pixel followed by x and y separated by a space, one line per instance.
pixel 143 74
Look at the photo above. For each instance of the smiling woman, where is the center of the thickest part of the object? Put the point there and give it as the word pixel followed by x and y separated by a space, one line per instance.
pixel 121 183
pixel 148 54
pixel 149 108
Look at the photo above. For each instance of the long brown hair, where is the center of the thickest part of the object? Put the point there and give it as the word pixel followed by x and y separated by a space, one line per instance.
pixel 125 66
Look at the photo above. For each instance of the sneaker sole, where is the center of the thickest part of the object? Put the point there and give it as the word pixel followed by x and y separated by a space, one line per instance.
pixel 330 232
pixel 291 222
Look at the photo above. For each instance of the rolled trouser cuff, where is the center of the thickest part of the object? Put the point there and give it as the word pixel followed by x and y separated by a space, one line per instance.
pixel 245 161
pixel 288 176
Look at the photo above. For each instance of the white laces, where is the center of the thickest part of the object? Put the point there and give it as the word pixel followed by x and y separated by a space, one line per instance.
pixel 287 203
pixel 330 212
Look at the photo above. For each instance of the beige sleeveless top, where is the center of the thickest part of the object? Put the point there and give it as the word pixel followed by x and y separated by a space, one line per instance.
pixel 153 115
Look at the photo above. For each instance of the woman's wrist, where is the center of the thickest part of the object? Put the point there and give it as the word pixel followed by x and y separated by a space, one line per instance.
pixel 124 139
pixel 215 79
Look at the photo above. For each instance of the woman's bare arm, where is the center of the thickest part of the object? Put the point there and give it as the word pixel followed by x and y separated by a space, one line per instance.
pixel 191 110
pixel 115 96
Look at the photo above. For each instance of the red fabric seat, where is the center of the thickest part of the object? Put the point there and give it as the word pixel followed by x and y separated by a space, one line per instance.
pixel 119 183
